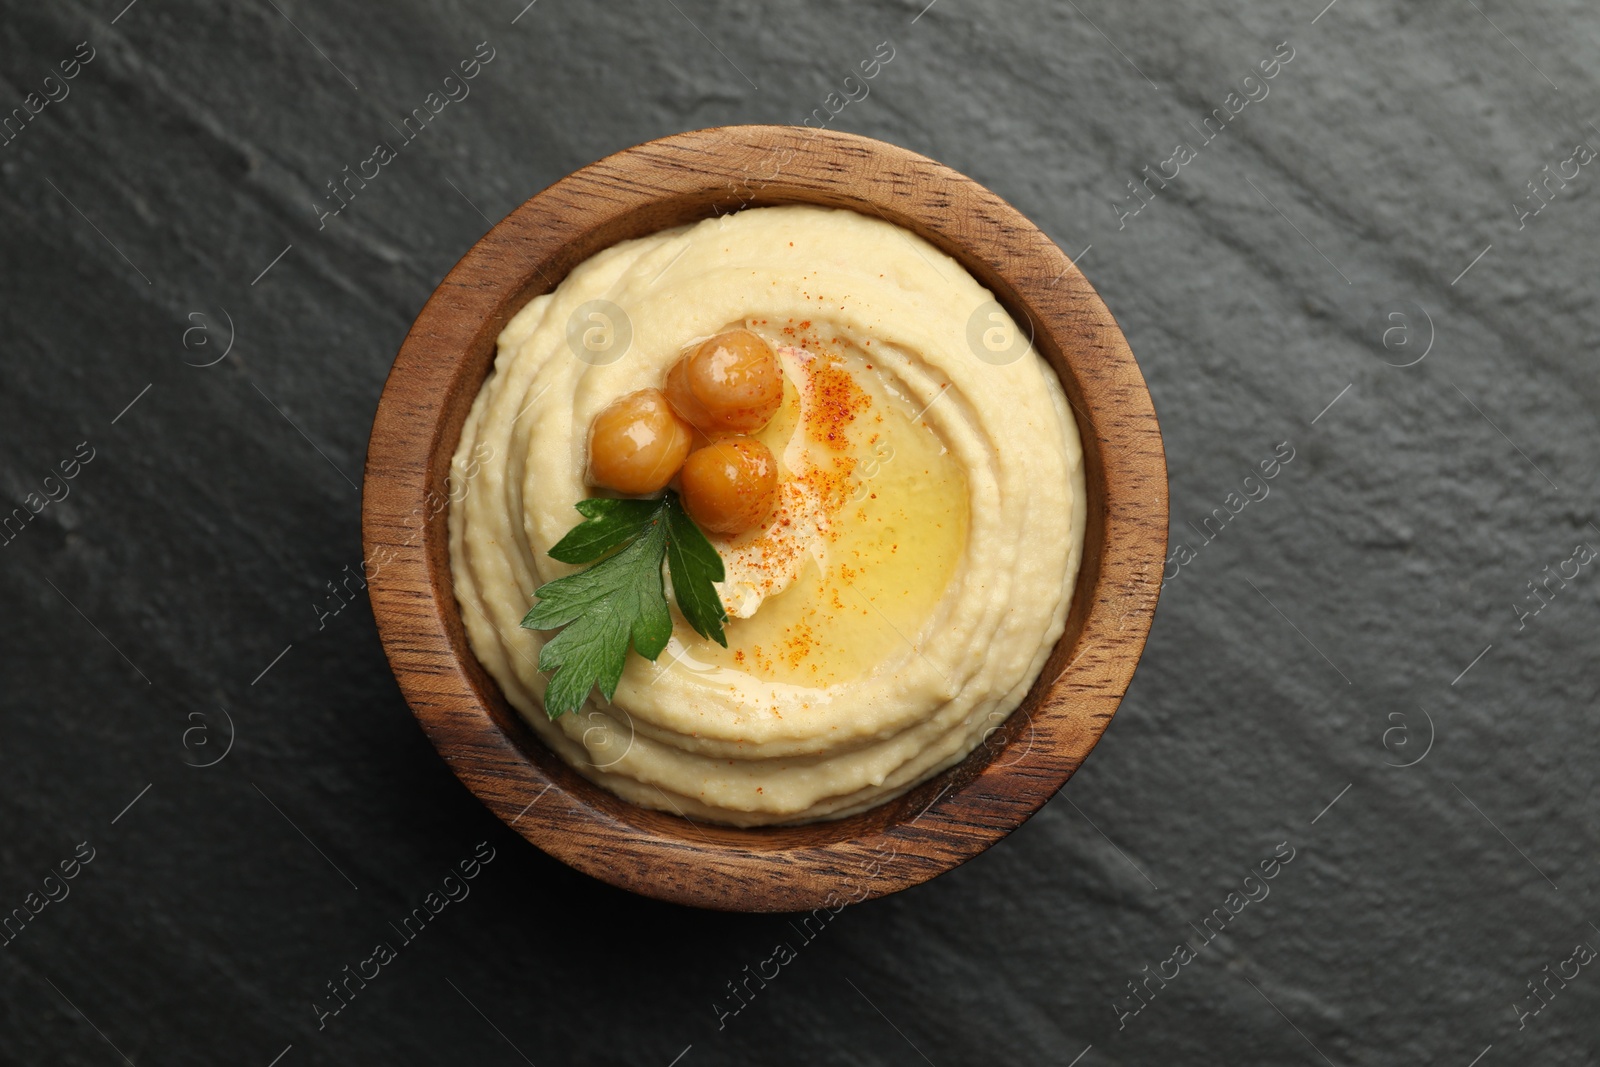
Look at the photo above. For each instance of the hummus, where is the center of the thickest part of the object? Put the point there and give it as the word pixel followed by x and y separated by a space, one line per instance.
pixel 919 567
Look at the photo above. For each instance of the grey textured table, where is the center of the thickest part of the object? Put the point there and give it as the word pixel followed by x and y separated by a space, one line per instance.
pixel 1378 663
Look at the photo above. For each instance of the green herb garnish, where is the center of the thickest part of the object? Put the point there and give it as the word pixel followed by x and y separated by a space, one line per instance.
pixel 622 599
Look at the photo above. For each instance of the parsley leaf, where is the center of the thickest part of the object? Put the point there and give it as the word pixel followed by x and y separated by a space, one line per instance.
pixel 695 565
pixel 618 600
pixel 607 524
pixel 621 600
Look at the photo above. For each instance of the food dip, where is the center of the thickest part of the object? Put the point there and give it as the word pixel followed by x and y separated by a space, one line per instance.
pixel 916 573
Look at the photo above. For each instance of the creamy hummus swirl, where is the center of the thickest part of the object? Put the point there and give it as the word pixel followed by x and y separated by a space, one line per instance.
pixel 917 676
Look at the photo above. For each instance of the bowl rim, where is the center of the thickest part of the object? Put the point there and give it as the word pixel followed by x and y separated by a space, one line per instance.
pixel 944 821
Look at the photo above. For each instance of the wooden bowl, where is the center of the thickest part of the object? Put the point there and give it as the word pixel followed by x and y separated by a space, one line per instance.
pixel 943 822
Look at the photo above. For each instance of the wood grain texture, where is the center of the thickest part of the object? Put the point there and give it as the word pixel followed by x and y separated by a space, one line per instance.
pixel 943 822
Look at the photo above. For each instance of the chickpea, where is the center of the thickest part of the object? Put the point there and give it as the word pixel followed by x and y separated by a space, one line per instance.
pixel 731 382
pixel 637 444
pixel 730 486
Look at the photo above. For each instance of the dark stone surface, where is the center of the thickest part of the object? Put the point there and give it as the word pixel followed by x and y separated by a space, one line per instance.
pixel 194 548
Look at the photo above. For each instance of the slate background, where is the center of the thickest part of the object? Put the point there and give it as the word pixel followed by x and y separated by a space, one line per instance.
pixel 197 544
